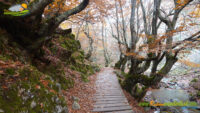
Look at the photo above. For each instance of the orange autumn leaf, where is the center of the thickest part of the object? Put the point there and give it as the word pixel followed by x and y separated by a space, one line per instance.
pixel 4 87
pixel 44 82
pixel 37 87
pixel 1 72
pixel 52 91
pixel 2 62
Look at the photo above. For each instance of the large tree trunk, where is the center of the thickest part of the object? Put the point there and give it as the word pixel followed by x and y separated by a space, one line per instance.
pixel 91 41
pixel 106 54
pixel 135 82
pixel 130 82
pixel 124 62
pixel 29 32
pixel 119 62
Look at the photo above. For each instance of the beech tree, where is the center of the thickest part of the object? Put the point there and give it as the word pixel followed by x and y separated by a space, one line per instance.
pixel 105 51
pixel 156 47
pixel 119 32
pixel 37 26
pixel 91 41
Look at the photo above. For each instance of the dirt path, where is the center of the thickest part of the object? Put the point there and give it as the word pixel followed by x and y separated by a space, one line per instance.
pixel 109 97
pixel 84 91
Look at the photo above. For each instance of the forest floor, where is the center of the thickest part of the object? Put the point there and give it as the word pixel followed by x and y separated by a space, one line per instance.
pixel 86 91
pixel 82 90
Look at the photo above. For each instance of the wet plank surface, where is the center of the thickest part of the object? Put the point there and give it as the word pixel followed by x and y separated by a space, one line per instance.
pixel 109 97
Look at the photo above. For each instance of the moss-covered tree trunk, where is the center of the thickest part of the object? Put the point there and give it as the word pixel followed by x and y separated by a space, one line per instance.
pixel 32 30
pixel 133 79
pixel 120 64
pixel 124 64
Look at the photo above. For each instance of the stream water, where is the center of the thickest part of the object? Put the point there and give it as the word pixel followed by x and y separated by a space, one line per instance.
pixel 172 90
pixel 164 95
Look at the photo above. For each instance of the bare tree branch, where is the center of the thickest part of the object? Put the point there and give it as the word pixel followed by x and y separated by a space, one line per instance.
pixel 144 18
pixel 73 11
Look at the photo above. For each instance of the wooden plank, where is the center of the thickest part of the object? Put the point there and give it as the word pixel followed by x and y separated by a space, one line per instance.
pixel 124 100
pixel 110 99
pixel 110 102
pixel 109 89
pixel 126 111
pixel 111 109
pixel 104 96
pixel 107 97
pixel 109 93
pixel 111 105
pixel 113 91
pixel 111 96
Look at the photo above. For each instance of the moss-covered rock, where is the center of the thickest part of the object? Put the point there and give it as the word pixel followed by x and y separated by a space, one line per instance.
pixel 136 85
pixel 194 80
pixel 198 93
pixel 74 55
pixel 32 91
pixel 36 86
pixel 138 91
pixel 69 43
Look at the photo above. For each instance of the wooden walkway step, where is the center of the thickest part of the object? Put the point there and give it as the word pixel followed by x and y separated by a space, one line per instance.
pixel 109 97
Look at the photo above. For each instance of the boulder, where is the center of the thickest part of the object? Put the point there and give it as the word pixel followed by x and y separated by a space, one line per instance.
pixel 1 111
pixel 196 85
pixel 75 106
pixel 33 104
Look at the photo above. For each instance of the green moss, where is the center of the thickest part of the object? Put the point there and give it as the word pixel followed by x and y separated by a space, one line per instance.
pixel 41 85
pixel 77 57
pixel 10 50
pixel 96 68
pixel 139 90
pixel 84 78
pixel 10 71
pixel 72 56
pixel 33 84
pixel 91 69
pixel 9 100
pixel 3 58
pixel 194 80
pixel 57 72
pixel 67 83
pixel 54 50
pixel 131 80
pixel 69 43
pixel 86 70
pixel 198 93
pixel 124 74
pixel 118 64
pixel 19 96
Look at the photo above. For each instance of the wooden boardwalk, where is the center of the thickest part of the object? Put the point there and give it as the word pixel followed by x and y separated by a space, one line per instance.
pixel 109 96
